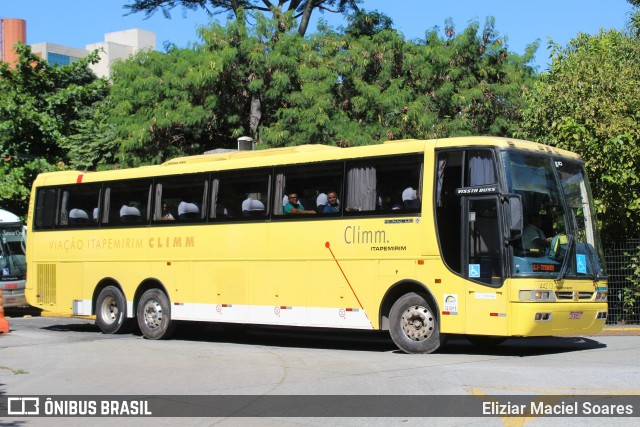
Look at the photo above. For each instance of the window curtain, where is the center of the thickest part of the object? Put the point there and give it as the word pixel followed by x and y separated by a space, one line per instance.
pixel 442 166
pixel 107 205
pixel 481 171
pixel 205 194
pixel 215 185
pixel 420 193
pixel 149 198
pixel 157 211
pixel 361 189
pixel 279 194
pixel 64 211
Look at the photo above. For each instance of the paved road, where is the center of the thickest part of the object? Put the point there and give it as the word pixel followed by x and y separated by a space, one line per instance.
pixel 57 356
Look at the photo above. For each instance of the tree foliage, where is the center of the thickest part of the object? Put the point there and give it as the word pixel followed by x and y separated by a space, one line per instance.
pixel 43 109
pixel 301 9
pixel 361 86
pixel 589 102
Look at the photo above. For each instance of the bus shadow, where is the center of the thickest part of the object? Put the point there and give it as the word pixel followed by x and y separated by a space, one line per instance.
pixel 286 337
pixel 74 327
pixel 372 340
pixel 523 347
pixel 22 312
pixel 355 340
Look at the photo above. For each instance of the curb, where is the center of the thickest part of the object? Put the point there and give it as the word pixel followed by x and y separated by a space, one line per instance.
pixel 621 331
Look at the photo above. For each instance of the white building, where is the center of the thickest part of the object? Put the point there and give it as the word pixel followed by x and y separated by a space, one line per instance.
pixel 117 45
pixel 120 45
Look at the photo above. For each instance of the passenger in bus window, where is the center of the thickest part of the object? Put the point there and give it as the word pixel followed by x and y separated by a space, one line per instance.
pixel 166 213
pixel 293 207
pixel 333 204
pixel 410 198
pixel 321 202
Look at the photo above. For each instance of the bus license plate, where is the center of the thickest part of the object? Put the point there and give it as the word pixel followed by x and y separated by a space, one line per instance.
pixel 575 315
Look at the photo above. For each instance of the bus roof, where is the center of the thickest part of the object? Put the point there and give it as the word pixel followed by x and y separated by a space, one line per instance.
pixel 230 160
pixel 233 154
pixel 8 217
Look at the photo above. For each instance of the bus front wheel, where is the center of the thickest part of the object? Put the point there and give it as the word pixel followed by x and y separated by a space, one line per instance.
pixel 413 325
pixel 154 315
pixel 111 311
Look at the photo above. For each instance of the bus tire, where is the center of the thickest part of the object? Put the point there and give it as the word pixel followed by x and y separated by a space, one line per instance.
pixel 154 315
pixel 111 311
pixel 413 325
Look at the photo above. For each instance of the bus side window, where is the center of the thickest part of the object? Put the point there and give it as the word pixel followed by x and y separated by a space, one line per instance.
pixel 46 208
pixel 76 204
pixel 127 202
pixel 391 185
pixel 311 183
pixel 240 195
pixel 185 198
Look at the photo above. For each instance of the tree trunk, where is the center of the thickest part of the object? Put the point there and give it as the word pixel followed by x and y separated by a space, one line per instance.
pixel 255 115
pixel 306 17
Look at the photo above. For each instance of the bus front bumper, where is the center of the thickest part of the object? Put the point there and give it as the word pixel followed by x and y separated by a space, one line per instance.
pixel 558 318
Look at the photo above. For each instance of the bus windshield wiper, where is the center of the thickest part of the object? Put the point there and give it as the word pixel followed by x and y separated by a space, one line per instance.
pixel 567 257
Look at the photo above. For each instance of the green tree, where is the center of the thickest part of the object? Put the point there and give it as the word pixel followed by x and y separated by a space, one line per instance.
pixel 42 109
pixel 588 102
pixel 187 101
pixel 161 106
pixel 370 85
pixel 361 86
pixel 284 15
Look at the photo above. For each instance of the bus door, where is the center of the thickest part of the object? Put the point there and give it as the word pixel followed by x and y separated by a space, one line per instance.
pixel 482 265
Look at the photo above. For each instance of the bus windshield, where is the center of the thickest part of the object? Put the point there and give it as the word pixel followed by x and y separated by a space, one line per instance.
pixel 559 237
pixel 12 254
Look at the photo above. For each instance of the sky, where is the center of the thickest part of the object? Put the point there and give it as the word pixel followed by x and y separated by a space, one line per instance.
pixel 77 23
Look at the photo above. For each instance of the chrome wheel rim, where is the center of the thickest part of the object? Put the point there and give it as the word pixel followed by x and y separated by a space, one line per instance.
pixel 153 314
pixel 109 310
pixel 417 323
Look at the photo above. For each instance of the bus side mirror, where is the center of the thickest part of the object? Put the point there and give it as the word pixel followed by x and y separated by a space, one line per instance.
pixel 514 215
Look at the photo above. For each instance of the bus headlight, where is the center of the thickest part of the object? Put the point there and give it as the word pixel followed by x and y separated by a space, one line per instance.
pixel 536 295
pixel 601 295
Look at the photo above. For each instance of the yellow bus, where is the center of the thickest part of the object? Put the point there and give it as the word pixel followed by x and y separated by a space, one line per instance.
pixel 479 236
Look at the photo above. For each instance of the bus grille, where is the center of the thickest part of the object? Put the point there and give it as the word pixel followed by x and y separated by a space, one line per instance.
pixel 570 296
pixel 46 291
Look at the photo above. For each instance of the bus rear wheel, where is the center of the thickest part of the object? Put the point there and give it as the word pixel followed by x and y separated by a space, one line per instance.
pixel 154 315
pixel 111 311
pixel 413 324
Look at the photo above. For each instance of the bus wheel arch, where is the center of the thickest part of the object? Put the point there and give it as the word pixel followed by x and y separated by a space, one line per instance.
pixel 410 313
pixel 395 292
pixel 153 310
pixel 110 307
